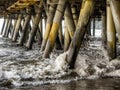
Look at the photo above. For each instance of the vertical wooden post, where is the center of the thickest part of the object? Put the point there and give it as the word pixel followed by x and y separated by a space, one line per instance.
pixel 14 25
pixel 76 42
pixel 89 28
pixel 111 37
pixel 11 29
pixel 60 35
pixel 74 13
pixel 69 20
pixel 52 10
pixel 58 44
pixel 6 26
pixel 93 26
pixel 66 39
pixel 21 27
pixel 115 8
pixel 17 28
pixel 29 28
pixel 40 31
pixel 3 26
pixel 34 30
pixel 55 26
pixel 44 18
pixel 104 32
pixel 25 27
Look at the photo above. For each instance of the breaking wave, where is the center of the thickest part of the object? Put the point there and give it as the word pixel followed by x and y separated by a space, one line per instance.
pixel 20 67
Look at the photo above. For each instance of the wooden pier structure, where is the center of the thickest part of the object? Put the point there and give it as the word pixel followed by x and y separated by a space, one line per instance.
pixel 24 21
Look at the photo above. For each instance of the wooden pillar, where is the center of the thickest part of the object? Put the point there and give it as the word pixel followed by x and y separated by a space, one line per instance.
pixel 74 13
pixel 6 26
pixel 58 44
pixel 60 35
pixel 89 28
pixel 14 25
pixel 111 35
pixel 76 42
pixel 11 29
pixel 55 27
pixel 40 31
pixel 44 19
pixel 27 32
pixel 3 26
pixel 41 28
pixel 115 8
pixel 69 20
pixel 34 30
pixel 52 10
pixel 93 26
pixel 66 39
pixel 25 28
pixel 17 28
pixel 104 31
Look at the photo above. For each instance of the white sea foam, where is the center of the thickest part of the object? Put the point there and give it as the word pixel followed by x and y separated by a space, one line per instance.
pixel 60 62
pixel 22 67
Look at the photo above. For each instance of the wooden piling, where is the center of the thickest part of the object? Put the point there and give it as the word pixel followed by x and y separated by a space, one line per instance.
pixel 55 26
pixel 111 35
pixel 11 29
pixel 3 26
pixel 74 14
pixel 25 28
pixel 41 29
pixel 48 25
pixel 17 28
pixel 14 25
pixel 104 31
pixel 93 26
pixel 6 26
pixel 76 42
pixel 60 35
pixel 40 33
pixel 69 20
pixel 34 30
pixel 66 39
pixel 115 8
pixel 89 28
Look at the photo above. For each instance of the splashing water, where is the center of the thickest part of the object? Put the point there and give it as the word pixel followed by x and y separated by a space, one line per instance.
pixel 20 67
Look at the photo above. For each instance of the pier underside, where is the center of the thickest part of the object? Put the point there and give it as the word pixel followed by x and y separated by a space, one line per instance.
pixel 59 41
pixel 61 24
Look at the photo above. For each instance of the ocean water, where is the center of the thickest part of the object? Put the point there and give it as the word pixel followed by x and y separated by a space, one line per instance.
pixel 97 84
pixel 22 69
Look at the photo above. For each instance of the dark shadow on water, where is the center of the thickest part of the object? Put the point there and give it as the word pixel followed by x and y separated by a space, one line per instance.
pixel 99 84
pixel 19 56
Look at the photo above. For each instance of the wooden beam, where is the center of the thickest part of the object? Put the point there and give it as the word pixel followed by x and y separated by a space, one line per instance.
pixel 76 42
pixel 17 28
pixel 55 27
pixel 111 35
pixel 115 8
pixel 51 14
pixel 25 28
